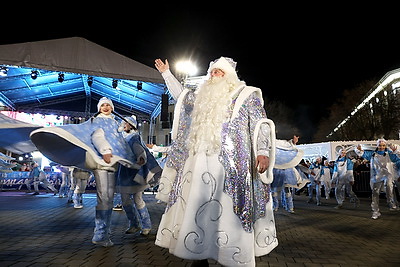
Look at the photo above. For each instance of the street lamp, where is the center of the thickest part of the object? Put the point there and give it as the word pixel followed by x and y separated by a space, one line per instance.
pixel 186 68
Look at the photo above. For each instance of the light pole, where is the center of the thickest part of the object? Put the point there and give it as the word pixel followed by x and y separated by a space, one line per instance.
pixel 185 68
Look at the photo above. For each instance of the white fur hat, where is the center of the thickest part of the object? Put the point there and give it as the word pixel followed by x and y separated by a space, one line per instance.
pixel 104 100
pixel 380 140
pixel 225 64
pixel 132 120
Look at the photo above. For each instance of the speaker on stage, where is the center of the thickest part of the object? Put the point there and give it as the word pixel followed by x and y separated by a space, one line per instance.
pixel 164 107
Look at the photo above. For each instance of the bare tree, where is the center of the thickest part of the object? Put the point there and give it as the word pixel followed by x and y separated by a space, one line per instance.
pixel 359 127
pixel 283 118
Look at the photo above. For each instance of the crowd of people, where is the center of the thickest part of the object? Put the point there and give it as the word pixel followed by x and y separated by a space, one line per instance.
pixel 337 176
pixel 71 183
pixel 223 175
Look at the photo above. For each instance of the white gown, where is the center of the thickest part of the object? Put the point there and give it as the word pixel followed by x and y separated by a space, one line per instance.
pixel 192 228
pixel 201 220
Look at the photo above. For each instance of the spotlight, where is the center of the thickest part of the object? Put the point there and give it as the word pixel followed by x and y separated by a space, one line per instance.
pixel 114 83
pixel 34 74
pixel 3 71
pixel 90 81
pixel 61 77
pixel 139 86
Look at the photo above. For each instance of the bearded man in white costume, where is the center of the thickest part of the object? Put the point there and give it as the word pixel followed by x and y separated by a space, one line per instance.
pixel 216 181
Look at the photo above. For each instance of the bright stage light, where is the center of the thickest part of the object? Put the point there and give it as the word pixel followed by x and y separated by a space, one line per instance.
pixel 3 71
pixel 90 81
pixel 34 74
pixel 186 67
pixel 61 77
pixel 114 83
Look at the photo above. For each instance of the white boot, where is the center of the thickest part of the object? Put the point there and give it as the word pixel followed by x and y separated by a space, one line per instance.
pixel 76 198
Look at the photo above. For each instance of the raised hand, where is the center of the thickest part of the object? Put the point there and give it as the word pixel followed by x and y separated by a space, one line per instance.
pixel 161 66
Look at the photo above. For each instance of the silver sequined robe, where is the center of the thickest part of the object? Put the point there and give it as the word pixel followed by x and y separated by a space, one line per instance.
pixel 218 206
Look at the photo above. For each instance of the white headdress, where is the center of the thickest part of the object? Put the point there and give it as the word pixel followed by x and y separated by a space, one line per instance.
pixel 381 140
pixel 132 120
pixel 225 64
pixel 104 100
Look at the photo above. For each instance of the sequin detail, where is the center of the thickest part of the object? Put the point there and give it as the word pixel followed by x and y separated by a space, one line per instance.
pixel 179 151
pixel 248 193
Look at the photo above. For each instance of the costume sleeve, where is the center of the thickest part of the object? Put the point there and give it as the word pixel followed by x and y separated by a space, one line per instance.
pixel 350 164
pixel 160 149
pixel 266 129
pixel 139 152
pixel 42 176
pixel 173 85
pixel 394 157
pixel 334 178
pixel 335 168
pixel 350 175
pixel 359 152
pixel 349 172
pixel 100 142
pixel 366 154
pixel 264 140
pixel 284 144
pixel 303 169
pixel 36 173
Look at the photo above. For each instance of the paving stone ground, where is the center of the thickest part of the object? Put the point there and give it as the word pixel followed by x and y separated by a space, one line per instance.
pixel 45 230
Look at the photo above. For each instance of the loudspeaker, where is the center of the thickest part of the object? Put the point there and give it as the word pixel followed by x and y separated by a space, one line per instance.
pixel 165 125
pixel 164 107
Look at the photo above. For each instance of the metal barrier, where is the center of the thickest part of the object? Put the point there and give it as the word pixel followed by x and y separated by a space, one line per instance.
pixel 361 182
pixel 15 179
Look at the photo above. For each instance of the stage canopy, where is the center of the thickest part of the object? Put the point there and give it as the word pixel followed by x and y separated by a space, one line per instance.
pixel 71 75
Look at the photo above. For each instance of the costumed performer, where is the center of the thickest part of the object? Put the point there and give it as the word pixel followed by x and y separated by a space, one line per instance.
pixel 216 181
pixel 97 146
pixel 342 178
pixel 315 181
pixel 39 178
pixel 381 172
pixel 65 180
pixel 131 183
pixel 287 157
pixel 326 174
pixel 79 182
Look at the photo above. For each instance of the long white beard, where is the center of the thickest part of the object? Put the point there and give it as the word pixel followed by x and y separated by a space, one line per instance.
pixel 209 113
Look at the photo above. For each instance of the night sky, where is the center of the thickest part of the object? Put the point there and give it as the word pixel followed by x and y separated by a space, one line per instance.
pixel 303 55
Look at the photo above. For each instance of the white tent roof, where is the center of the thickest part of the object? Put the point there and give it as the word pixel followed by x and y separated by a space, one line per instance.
pixel 77 55
pixel 138 91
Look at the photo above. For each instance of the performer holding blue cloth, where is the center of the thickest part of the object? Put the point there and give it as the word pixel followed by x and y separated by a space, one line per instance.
pixel 288 156
pixel 131 183
pixel 94 145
